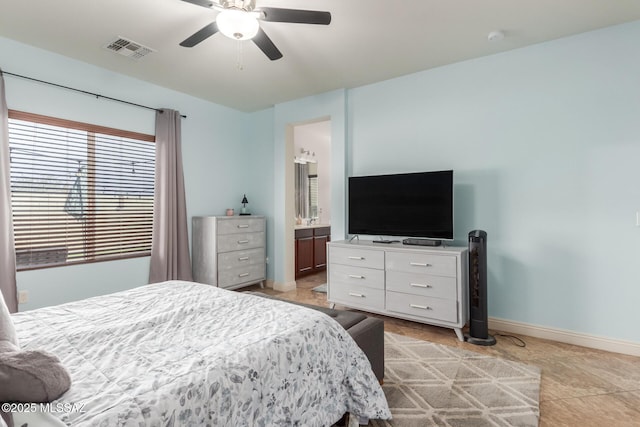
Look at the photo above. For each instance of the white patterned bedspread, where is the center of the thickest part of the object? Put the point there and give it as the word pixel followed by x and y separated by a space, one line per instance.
pixel 185 354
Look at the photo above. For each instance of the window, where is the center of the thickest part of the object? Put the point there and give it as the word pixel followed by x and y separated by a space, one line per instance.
pixel 313 196
pixel 80 193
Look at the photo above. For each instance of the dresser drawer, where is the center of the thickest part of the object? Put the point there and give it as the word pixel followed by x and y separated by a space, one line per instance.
pixel 441 265
pixel 422 284
pixel 346 275
pixel 421 306
pixel 357 257
pixel 230 260
pixel 235 276
pixel 356 296
pixel 240 225
pixel 240 241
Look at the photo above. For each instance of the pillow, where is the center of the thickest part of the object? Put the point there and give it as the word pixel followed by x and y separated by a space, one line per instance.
pixel 8 343
pixel 6 419
pixel 31 376
pixel 36 419
pixel 7 331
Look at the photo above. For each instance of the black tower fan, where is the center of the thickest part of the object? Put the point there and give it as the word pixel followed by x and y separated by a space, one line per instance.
pixel 479 327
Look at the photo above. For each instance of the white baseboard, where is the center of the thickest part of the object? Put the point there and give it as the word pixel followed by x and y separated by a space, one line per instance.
pixel 565 336
pixel 284 287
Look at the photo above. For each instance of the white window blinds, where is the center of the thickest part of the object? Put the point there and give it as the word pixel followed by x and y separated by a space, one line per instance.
pixel 80 193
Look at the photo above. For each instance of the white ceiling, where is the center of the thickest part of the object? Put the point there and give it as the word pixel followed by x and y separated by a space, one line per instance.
pixel 368 40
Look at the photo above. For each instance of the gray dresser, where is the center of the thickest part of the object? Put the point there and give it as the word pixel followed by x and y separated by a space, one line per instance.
pixel 423 284
pixel 229 251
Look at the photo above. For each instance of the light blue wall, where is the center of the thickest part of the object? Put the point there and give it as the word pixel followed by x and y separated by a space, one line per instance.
pixel 258 173
pixel 214 149
pixel 545 144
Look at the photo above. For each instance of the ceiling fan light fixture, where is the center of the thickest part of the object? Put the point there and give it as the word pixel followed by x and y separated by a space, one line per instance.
pixel 237 24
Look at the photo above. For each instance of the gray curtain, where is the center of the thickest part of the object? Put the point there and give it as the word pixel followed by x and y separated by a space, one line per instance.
pixel 302 190
pixel 170 242
pixel 7 248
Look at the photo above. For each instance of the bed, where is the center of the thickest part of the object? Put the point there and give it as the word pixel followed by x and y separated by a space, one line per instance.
pixel 182 353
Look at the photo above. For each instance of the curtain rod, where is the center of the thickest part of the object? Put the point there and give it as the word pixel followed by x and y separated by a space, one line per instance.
pixel 97 95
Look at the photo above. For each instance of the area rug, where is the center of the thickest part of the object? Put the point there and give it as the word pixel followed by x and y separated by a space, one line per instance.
pixel 321 288
pixel 428 384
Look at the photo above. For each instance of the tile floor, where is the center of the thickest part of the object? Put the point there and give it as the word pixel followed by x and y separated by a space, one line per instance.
pixel 580 386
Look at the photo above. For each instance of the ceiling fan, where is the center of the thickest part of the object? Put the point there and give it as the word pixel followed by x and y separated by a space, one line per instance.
pixel 239 20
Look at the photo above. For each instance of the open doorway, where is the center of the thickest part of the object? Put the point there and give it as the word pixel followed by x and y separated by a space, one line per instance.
pixel 330 106
pixel 311 196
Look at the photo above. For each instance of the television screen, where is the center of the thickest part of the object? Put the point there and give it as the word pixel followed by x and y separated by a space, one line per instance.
pixel 410 204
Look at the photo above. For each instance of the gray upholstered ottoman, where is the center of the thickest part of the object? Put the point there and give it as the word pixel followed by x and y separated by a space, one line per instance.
pixel 367 332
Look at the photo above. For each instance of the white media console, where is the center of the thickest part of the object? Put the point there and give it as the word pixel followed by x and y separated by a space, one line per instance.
pixel 422 284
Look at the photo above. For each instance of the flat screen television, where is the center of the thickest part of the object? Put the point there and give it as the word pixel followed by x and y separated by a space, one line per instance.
pixel 409 204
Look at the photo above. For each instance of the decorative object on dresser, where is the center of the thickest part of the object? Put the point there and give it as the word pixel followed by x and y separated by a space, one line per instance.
pixel 244 205
pixel 417 283
pixel 229 252
pixel 311 249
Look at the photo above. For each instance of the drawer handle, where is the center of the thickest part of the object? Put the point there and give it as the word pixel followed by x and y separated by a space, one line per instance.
pixel 420 264
pixel 420 285
pixel 353 294
pixel 243 226
pixel 355 276
pixel 243 258
pixel 422 307
pixel 243 275
pixel 242 242
pixel 306 269
pixel 357 258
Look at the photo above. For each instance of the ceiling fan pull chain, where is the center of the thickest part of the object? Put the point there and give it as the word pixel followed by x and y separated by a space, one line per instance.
pixel 239 56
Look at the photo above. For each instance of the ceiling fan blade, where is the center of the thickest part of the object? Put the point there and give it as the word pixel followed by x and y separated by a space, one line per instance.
pixel 296 16
pixel 265 44
pixel 203 3
pixel 201 35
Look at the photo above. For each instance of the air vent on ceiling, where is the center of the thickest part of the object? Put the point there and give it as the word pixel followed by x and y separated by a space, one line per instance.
pixel 128 48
